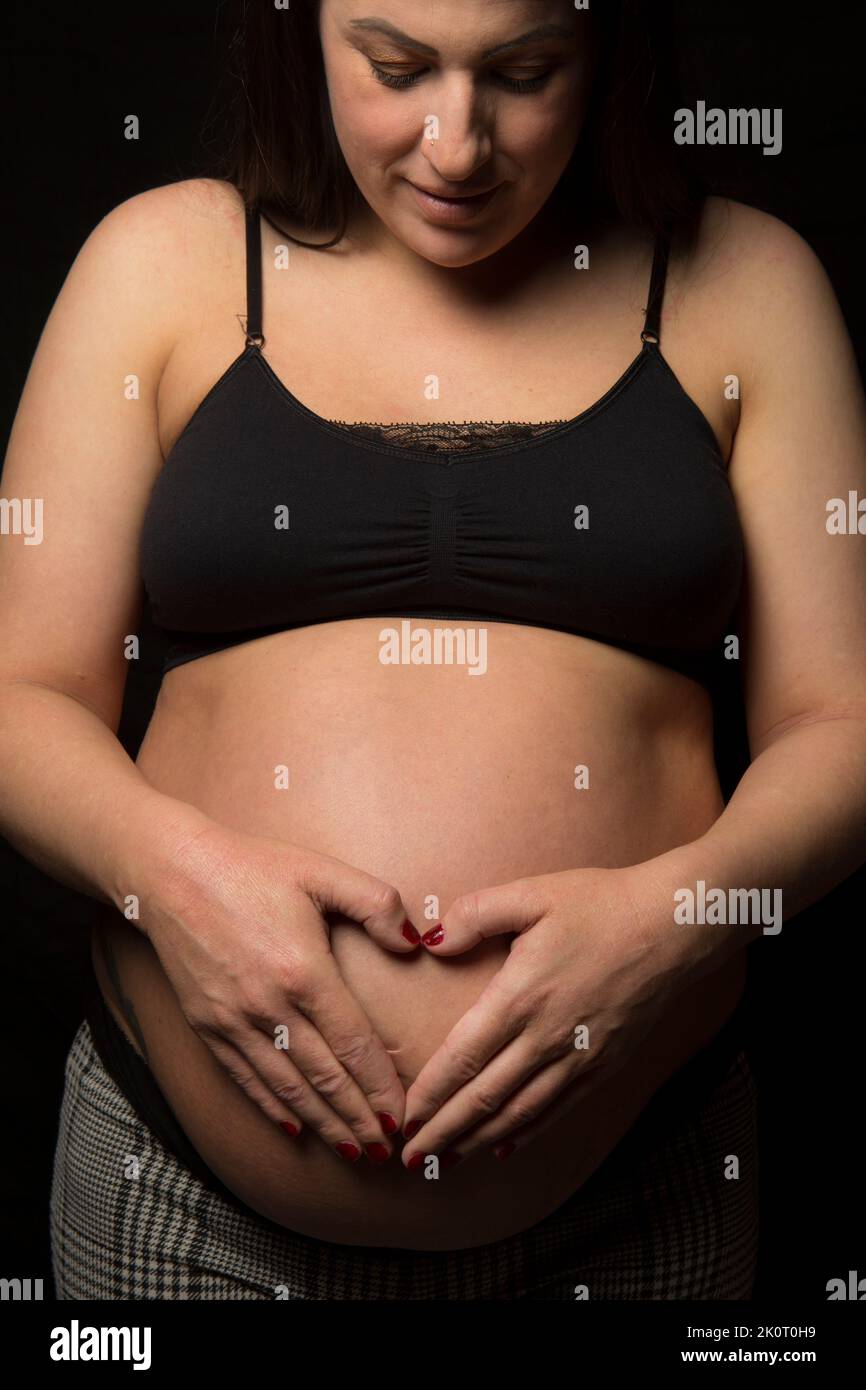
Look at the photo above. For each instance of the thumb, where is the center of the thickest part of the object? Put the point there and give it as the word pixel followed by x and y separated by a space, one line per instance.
pixel 472 918
pixel 371 902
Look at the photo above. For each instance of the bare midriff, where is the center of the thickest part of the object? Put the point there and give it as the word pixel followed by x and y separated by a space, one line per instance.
pixel 439 782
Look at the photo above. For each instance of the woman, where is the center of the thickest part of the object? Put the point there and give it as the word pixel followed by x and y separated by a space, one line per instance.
pixel 391 892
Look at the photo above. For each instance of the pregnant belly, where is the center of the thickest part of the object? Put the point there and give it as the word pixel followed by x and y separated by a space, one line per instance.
pixel 440 783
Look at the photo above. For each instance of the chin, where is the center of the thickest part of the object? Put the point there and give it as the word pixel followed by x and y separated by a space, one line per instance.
pixel 460 256
pixel 451 250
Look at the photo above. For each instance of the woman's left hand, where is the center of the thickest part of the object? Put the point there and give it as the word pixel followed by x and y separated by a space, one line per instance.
pixel 594 964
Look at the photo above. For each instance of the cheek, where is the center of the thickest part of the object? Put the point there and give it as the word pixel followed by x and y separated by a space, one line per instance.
pixel 372 129
pixel 541 137
pixel 539 151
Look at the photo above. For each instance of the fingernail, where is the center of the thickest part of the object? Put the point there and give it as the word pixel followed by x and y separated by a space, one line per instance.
pixel 415 1160
pixel 410 933
pixel 388 1123
pixel 449 1158
pixel 434 936
pixel 505 1149
pixel 291 1130
pixel 377 1153
pixel 411 1128
pixel 350 1152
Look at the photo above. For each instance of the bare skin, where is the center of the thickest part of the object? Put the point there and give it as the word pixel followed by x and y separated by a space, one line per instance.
pixel 411 789
pixel 432 781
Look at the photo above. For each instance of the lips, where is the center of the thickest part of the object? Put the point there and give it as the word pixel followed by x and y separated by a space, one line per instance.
pixel 454 197
pixel 445 208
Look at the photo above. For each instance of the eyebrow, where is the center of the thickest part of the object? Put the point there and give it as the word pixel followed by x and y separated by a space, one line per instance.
pixel 381 26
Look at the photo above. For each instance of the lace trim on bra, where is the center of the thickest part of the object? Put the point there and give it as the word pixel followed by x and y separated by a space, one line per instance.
pixel 449 436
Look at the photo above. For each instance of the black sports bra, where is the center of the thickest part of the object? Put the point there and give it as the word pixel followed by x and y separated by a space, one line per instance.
pixel 618 525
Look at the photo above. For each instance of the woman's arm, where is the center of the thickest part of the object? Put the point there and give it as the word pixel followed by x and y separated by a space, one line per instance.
pixel 795 827
pixel 74 803
pixel 797 819
pixel 602 950
pixel 84 453
pixel 237 921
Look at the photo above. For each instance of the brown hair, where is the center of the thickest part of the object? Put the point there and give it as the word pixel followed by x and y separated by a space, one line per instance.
pixel 281 152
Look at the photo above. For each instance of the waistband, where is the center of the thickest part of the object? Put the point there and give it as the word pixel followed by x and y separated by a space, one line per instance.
pixel 133 1077
pixel 686 1090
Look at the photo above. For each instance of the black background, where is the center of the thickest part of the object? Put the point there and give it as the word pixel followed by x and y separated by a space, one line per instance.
pixel 71 74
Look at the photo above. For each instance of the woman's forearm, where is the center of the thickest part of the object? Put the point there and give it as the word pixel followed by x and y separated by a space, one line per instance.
pixel 795 826
pixel 73 801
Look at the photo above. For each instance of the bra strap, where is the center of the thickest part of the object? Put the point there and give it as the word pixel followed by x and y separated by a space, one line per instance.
pixel 255 337
pixel 652 323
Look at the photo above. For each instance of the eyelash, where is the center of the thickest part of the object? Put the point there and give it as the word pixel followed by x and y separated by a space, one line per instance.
pixel 513 84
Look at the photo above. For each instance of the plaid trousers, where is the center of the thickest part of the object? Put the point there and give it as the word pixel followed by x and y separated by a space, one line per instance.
pixel 657 1220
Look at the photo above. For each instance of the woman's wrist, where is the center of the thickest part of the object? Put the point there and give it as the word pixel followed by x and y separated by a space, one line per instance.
pixel 149 855
pixel 674 895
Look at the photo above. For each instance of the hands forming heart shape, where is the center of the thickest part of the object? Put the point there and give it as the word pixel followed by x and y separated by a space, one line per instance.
pixel 593 965
pixel 594 962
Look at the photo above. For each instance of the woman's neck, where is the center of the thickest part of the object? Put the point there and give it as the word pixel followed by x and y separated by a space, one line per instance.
pixel 515 269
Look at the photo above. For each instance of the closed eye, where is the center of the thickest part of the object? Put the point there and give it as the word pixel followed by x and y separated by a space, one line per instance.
pixel 401 80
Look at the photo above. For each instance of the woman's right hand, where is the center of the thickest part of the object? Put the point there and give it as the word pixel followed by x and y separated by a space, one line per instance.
pixel 239 928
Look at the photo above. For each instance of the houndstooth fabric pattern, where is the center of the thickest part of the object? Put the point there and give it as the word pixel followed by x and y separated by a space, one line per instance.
pixel 658 1220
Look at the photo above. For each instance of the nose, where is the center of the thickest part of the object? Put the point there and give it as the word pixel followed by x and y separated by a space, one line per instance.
pixel 459 139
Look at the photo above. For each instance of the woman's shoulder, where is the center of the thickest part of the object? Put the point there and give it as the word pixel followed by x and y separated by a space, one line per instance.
pixel 177 206
pixel 763 273
pixel 189 234
pixel 750 286
pixel 175 226
pixel 192 211
pixel 149 259
pixel 761 247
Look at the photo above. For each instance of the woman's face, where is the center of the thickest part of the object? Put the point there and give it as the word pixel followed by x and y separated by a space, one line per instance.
pixel 478 101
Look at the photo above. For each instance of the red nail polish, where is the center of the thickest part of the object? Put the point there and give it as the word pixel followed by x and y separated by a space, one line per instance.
pixel 505 1149
pixel 291 1130
pixel 449 1158
pixel 411 1128
pixel 435 936
pixel 377 1153
pixel 348 1151
pixel 410 933
pixel 388 1123
pixel 415 1160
